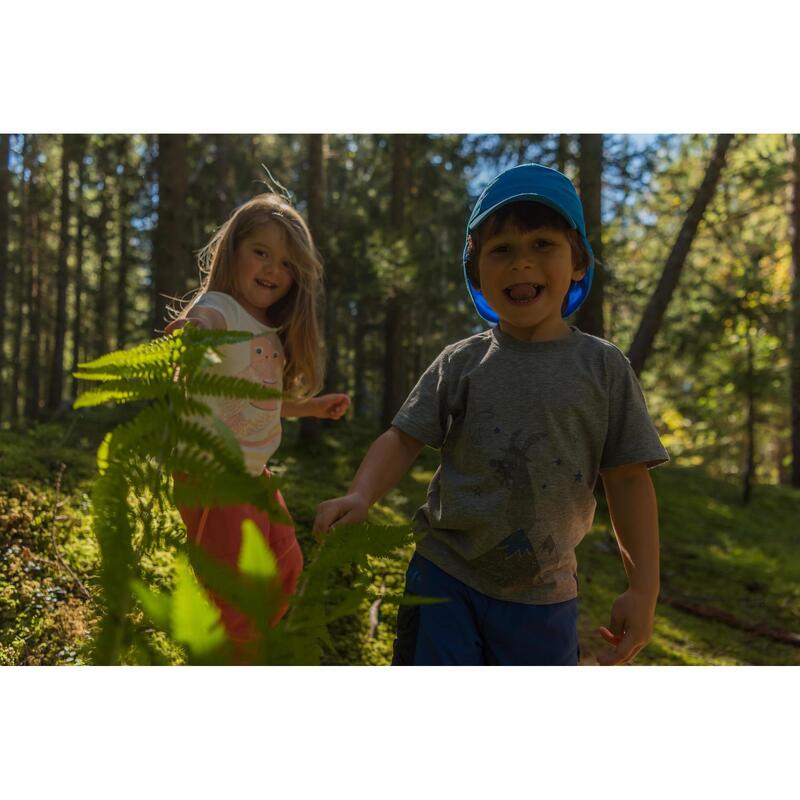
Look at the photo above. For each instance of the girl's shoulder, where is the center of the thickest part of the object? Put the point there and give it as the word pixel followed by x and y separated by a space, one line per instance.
pixel 236 316
pixel 219 301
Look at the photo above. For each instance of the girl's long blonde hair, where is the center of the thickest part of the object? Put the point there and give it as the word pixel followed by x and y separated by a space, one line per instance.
pixel 295 314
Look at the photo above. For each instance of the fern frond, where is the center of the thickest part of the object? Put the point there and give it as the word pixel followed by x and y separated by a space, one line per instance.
pixel 123 390
pixel 95 376
pixel 113 530
pixel 192 337
pixel 159 351
pixel 204 383
pixel 188 346
pixel 215 486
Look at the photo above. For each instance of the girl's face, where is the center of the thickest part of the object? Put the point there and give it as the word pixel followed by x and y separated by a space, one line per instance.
pixel 263 269
pixel 525 278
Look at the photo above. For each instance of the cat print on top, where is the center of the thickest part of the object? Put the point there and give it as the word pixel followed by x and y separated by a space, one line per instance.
pixel 256 424
pixel 255 428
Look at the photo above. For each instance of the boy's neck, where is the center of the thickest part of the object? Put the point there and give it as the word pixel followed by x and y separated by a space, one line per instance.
pixel 539 333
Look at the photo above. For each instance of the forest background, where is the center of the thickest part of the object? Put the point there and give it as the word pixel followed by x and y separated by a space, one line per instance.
pixel 696 238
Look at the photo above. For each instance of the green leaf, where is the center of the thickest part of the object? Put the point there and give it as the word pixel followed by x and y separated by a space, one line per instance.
pixel 226 437
pixel 412 600
pixel 255 557
pixel 156 605
pixel 195 621
pixel 258 599
pixel 103 453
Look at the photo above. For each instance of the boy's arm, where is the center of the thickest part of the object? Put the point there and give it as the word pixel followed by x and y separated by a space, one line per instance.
pixel 388 459
pixel 634 515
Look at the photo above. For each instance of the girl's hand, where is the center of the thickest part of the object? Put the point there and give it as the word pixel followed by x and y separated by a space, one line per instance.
pixel 630 630
pixel 331 406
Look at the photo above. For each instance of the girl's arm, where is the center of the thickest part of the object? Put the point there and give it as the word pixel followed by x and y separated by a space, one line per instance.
pixel 388 459
pixel 325 406
pixel 634 515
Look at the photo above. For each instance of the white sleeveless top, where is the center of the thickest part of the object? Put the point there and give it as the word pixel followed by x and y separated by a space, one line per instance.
pixel 255 424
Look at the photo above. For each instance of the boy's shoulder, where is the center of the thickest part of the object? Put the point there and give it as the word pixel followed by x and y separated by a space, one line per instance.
pixel 485 339
pixel 599 344
pixel 457 355
pixel 478 341
pixel 601 357
pixel 592 352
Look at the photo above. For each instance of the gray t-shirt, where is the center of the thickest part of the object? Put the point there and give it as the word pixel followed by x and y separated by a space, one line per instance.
pixel 524 428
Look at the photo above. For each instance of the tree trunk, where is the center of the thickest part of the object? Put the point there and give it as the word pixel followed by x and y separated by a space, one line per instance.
pixel 60 334
pixel 654 313
pixel 5 187
pixel 360 363
pixel 172 250
pixel 123 301
pixel 77 339
pixel 393 361
pixel 748 467
pixel 33 365
pixel 795 312
pixel 102 307
pixel 562 154
pixel 310 429
pixel 590 315
pixel 21 282
pixel 222 204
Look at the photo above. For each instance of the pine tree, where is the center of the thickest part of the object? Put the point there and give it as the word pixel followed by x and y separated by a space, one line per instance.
pixel 654 313
pixel 5 188
pixel 56 387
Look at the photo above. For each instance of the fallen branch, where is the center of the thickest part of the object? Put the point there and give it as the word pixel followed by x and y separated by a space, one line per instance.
pixel 375 612
pixel 726 618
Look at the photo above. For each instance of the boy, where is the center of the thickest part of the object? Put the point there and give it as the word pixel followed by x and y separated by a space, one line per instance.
pixel 526 414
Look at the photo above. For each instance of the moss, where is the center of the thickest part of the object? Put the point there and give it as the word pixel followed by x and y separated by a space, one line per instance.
pixel 744 560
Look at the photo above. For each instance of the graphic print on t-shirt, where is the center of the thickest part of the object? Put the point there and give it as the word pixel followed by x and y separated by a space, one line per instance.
pixel 513 560
pixel 256 423
pixel 517 558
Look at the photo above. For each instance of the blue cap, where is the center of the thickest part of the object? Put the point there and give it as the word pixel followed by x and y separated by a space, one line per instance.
pixel 538 184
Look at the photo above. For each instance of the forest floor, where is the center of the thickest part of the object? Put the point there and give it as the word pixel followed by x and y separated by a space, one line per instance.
pixel 730 573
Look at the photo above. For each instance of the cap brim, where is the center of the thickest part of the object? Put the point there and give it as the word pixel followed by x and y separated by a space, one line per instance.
pixel 534 198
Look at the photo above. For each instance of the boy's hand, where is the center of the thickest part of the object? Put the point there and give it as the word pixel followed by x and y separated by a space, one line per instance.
pixel 630 630
pixel 331 406
pixel 349 509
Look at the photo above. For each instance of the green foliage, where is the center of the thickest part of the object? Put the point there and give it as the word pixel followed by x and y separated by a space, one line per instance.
pixel 44 616
pixel 134 491
pixel 715 554
pixel 186 614
pixel 300 637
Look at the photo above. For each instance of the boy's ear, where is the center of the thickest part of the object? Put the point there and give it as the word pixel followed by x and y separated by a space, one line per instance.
pixel 474 276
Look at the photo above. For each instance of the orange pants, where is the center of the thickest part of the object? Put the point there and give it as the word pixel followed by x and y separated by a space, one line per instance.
pixel 218 530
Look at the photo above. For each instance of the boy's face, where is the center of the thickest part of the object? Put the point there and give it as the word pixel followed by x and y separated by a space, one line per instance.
pixel 525 278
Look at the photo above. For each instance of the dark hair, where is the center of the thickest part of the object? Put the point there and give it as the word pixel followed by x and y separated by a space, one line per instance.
pixel 524 216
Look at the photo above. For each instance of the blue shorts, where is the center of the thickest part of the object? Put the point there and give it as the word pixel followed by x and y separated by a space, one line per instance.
pixel 473 629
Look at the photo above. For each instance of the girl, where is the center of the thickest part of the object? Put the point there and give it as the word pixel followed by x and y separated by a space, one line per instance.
pixel 260 273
